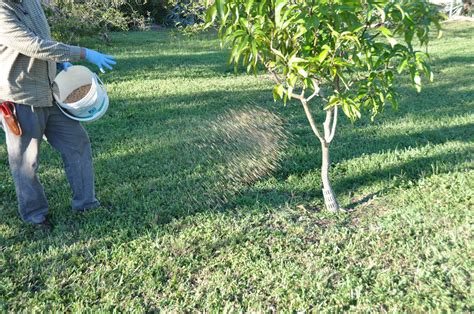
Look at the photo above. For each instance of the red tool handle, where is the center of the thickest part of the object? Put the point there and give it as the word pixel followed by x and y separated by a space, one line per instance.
pixel 8 111
pixel 6 108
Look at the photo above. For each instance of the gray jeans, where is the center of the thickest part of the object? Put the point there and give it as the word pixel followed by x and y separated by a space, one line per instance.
pixel 65 135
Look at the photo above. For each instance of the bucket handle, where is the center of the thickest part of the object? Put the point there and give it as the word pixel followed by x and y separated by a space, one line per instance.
pixel 100 81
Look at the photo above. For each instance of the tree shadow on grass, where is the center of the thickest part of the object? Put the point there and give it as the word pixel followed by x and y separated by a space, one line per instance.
pixel 99 230
pixel 409 171
pixel 450 61
pixel 188 186
pixel 161 200
pixel 127 220
pixel 177 155
pixel 158 182
pixel 152 183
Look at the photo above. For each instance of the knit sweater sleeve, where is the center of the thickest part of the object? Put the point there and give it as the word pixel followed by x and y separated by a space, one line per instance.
pixel 15 35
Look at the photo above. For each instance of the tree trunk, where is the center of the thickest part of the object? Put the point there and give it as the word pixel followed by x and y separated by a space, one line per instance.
pixel 329 131
pixel 329 196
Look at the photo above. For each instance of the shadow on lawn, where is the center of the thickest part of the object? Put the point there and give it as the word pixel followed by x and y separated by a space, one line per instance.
pixel 185 192
pixel 173 180
pixel 412 170
pixel 173 183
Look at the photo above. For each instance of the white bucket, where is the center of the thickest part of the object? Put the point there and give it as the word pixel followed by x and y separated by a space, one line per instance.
pixel 92 106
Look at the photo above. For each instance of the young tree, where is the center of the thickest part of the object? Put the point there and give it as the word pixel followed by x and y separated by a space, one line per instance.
pixel 346 53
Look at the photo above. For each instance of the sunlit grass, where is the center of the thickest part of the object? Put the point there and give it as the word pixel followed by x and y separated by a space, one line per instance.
pixel 167 239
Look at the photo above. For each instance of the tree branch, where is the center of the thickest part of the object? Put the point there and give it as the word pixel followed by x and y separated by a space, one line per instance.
pixel 317 89
pixel 309 115
pixel 312 96
pixel 276 78
pixel 330 130
pixel 327 124
pixel 299 97
pixel 334 124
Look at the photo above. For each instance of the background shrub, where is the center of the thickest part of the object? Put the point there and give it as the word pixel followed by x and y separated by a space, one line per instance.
pixel 169 12
pixel 70 20
pixel 186 13
pixel 153 10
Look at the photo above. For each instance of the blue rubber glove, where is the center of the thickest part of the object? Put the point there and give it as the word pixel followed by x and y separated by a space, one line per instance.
pixel 64 66
pixel 100 59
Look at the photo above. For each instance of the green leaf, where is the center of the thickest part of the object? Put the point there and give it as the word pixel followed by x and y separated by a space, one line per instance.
pixel 393 101
pixel 278 53
pixel 248 6
pixel 347 110
pixel 427 69
pixel 385 31
pixel 402 66
pixel 211 14
pixel 409 33
pixel 302 72
pixel 389 35
pixel 254 53
pixel 278 92
pixel 393 42
pixel 220 5
pixel 401 10
pixel 294 59
pixel 280 4
pixel 290 91
pixel 333 101
pixel 322 56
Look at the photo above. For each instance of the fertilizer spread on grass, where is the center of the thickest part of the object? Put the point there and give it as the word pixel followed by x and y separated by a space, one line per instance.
pixel 246 144
pixel 251 143
pixel 232 151
pixel 78 94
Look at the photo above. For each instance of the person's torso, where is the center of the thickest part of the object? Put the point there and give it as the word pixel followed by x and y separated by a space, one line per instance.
pixel 24 79
pixel 33 16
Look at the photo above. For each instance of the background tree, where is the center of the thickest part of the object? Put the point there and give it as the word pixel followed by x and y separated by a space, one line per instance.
pixel 330 54
pixel 72 19
pixel 186 13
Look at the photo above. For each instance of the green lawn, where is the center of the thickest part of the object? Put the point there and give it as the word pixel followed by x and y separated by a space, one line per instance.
pixel 194 219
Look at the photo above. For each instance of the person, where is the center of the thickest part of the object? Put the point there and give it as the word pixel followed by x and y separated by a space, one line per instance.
pixel 28 65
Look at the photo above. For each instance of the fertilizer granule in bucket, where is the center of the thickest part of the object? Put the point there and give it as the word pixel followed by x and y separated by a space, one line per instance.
pixel 78 94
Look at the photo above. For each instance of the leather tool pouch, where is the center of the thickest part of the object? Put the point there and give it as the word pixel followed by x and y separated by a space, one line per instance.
pixel 9 114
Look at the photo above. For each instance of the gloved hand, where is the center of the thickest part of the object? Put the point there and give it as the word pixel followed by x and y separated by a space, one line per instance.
pixel 100 59
pixel 64 66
